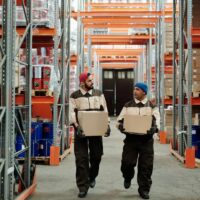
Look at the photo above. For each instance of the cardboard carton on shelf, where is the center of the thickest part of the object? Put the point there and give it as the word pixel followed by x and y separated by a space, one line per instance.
pixel 37 83
pixel 93 123
pixel 197 119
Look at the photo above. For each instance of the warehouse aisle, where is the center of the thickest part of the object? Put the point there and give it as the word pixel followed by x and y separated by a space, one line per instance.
pixel 171 181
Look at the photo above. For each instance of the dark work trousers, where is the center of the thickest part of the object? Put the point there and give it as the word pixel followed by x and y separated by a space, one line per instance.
pixel 88 152
pixel 141 151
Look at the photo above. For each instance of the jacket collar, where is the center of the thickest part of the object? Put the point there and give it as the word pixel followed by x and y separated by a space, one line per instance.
pixel 84 92
pixel 144 101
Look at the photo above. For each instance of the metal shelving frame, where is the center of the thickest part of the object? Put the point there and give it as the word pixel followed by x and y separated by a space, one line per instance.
pixel 80 39
pixel 62 68
pixel 149 57
pixel 9 117
pixel 7 102
pixel 160 62
pixel 185 79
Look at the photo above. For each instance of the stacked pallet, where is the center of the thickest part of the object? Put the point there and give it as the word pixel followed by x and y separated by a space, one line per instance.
pixel 196 14
pixel 168 119
pixel 195 72
pixel 168 85
pixel 169 38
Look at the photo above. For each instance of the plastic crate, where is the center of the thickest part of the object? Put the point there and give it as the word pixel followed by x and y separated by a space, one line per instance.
pixel 48 130
pixel 36 131
pixel 197 150
pixel 195 134
pixel 19 145
pixel 45 145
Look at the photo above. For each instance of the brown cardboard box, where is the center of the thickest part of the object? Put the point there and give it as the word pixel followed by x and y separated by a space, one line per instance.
pixel 196 87
pixel 93 123
pixel 137 124
pixel 169 131
pixel 197 119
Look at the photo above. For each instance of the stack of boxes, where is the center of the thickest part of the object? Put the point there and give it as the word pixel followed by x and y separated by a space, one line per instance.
pixel 168 85
pixel 73 79
pixel 169 38
pixel 43 13
pixel 196 14
pixel 169 123
pixel 41 77
pixel 196 73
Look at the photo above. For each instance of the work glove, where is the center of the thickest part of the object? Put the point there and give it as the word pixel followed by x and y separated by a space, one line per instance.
pixel 152 130
pixel 107 134
pixel 79 132
pixel 121 127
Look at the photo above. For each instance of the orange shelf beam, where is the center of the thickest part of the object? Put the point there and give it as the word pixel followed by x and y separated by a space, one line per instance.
pixel 194 101
pixel 119 25
pixel 102 60
pixel 118 52
pixel 118 65
pixel 121 20
pixel 19 99
pixel 36 32
pixel 126 5
pixel 120 13
pixel 119 39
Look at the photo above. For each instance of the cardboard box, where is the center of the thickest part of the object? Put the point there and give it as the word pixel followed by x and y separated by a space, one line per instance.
pixel 137 124
pixel 37 72
pixel 197 119
pixel 37 83
pixel 45 83
pixel 46 72
pixel 93 123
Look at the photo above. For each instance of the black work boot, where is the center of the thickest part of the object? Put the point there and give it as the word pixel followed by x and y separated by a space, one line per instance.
pixel 82 194
pixel 127 184
pixel 143 194
pixel 92 183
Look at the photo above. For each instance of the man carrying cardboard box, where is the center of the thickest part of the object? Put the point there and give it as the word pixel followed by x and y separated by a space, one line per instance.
pixel 138 146
pixel 87 106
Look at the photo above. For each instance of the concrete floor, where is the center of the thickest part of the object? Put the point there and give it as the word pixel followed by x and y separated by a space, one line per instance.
pixel 171 181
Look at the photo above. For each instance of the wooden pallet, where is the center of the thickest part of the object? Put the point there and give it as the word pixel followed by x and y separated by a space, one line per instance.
pixel 46 160
pixel 168 53
pixel 141 34
pixel 168 97
pixel 39 92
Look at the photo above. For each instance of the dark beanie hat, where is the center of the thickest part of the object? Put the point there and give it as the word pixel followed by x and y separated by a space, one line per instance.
pixel 142 86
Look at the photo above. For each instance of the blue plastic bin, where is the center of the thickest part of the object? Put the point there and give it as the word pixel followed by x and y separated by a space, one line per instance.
pixel 45 145
pixel 36 131
pixel 19 145
pixel 195 134
pixel 48 130
pixel 197 150
pixel 35 146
